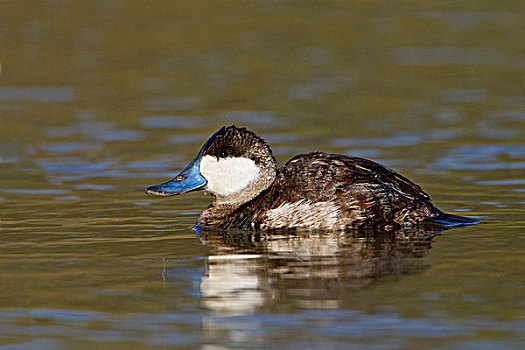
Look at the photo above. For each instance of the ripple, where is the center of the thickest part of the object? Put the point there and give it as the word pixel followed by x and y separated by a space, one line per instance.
pixel 286 150
pixel 448 117
pixel 173 103
pixel 27 191
pixel 97 131
pixel 65 315
pixel 463 95
pixel 449 164
pixel 9 159
pixel 275 138
pixel 495 133
pixel 393 141
pixel 188 139
pixel 398 140
pixel 319 86
pixel 463 21
pixel 508 115
pixel 502 182
pixel 59 131
pixel 364 152
pixel 72 165
pixel 482 157
pixel 156 164
pixel 66 147
pixel 37 94
pixel 317 56
pixel 488 152
pixel 263 120
pixel 448 56
pixel 118 135
pixel 66 198
pixel 95 187
pixel 170 122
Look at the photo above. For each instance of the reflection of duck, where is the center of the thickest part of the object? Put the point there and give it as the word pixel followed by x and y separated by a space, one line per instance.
pixel 315 190
pixel 248 270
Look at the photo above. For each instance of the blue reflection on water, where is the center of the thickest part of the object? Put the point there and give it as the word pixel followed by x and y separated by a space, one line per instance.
pixel 397 140
pixel 335 328
pixel 502 182
pixel 66 147
pixel 261 120
pixel 95 187
pixel 29 191
pixel 482 157
pixel 95 131
pixel 172 103
pixel 170 122
pixel 37 94
pixel 73 165
pixel 448 56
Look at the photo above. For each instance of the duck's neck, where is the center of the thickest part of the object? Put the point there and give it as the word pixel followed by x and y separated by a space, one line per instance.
pixel 216 214
pixel 225 206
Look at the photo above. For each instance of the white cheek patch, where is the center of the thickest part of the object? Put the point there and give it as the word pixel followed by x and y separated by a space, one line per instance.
pixel 227 176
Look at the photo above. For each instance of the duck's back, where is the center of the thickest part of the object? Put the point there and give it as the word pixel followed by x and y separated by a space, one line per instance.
pixel 333 191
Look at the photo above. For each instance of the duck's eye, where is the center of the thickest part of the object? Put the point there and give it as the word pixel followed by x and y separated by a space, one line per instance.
pixel 223 154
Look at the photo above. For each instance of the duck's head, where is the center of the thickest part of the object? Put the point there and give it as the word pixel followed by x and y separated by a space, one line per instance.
pixel 234 165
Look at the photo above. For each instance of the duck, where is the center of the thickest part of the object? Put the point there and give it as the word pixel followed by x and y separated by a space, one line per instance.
pixel 313 191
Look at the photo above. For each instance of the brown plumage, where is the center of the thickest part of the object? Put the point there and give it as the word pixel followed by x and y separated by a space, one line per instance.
pixel 364 193
pixel 312 191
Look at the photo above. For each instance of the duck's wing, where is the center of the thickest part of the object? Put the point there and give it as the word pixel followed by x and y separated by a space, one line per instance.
pixel 366 193
pixel 321 173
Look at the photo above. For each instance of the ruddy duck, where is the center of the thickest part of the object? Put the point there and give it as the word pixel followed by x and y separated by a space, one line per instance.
pixel 313 191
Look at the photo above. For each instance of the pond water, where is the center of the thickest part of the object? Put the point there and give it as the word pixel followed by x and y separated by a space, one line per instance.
pixel 99 99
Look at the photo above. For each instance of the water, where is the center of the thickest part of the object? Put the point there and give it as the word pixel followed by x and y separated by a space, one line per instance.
pixel 99 99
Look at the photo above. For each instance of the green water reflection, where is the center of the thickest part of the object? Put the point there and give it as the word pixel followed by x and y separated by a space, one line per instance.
pixel 100 98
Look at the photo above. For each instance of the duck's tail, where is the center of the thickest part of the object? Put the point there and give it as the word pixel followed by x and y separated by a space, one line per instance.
pixel 449 220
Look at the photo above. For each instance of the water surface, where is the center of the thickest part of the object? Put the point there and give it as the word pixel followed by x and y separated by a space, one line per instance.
pixel 99 99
